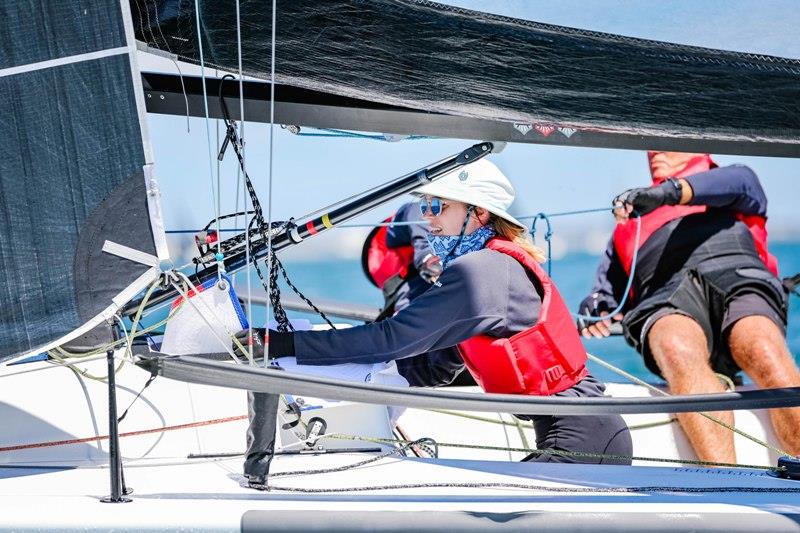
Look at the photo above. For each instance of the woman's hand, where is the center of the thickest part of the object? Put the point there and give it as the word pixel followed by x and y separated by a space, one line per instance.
pixel 258 341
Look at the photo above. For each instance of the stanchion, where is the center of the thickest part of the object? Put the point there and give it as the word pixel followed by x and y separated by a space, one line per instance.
pixel 118 489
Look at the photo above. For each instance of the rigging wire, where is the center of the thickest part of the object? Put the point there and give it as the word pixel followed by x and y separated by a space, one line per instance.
pixel 242 169
pixel 214 192
pixel 283 324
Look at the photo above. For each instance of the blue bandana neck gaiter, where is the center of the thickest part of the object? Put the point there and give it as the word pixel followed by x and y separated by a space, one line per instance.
pixel 442 245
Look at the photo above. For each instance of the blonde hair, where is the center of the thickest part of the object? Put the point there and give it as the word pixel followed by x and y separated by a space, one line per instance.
pixel 518 236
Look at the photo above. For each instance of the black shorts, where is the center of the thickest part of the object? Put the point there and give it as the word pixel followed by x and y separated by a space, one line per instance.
pixel 716 296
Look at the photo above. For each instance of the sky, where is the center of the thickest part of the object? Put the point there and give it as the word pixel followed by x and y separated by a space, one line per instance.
pixel 309 173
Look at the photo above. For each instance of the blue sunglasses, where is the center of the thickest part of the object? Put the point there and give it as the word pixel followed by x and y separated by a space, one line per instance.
pixel 435 205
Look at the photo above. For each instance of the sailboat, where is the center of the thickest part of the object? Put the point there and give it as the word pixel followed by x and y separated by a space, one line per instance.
pixel 104 428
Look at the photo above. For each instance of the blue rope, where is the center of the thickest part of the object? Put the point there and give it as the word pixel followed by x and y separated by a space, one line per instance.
pixel 549 233
pixel 589 318
pixel 331 132
pixel 565 213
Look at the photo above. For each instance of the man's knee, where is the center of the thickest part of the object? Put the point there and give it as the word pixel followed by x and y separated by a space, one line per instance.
pixel 758 346
pixel 756 334
pixel 678 345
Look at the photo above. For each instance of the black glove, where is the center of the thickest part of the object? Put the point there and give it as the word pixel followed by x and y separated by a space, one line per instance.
pixel 259 341
pixel 431 268
pixel 592 305
pixel 647 199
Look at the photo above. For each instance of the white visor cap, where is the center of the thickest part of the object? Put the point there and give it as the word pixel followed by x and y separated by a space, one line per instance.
pixel 481 184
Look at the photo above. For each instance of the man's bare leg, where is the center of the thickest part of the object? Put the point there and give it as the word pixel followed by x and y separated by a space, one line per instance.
pixel 759 348
pixel 679 347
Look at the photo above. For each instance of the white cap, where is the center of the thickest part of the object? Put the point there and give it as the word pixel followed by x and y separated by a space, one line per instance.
pixel 481 184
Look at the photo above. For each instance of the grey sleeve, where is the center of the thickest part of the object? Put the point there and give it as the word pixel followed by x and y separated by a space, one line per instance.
pixel 460 305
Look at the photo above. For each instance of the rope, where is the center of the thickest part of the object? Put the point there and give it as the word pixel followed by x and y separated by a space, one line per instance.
pixel 332 132
pixel 61 355
pixel 548 235
pixel 189 425
pixel 553 451
pixel 541 488
pixel 239 171
pixel 271 250
pixel 521 425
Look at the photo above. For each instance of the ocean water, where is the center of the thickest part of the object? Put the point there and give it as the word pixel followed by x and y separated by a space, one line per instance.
pixel 343 280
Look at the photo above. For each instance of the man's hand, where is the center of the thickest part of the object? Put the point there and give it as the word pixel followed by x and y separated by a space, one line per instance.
pixel 601 329
pixel 595 306
pixel 644 200
pixel 431 268
pixel 258 341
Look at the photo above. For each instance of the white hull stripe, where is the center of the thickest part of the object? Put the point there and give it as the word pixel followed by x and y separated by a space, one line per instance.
pixel 11 71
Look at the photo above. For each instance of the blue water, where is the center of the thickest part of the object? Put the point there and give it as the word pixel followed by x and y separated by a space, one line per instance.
pixel 344 280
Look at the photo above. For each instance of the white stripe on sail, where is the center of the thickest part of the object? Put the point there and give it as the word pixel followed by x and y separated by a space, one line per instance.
pixel 50 63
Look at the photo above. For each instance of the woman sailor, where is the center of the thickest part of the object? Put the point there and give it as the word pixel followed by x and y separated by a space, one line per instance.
pixel 496 304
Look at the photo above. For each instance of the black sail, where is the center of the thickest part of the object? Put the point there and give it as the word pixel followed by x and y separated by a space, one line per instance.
pixel 532 82
pixel 73 152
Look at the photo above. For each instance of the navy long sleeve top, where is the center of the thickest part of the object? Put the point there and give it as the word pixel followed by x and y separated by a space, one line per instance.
pixel 483 292
pixel 726 190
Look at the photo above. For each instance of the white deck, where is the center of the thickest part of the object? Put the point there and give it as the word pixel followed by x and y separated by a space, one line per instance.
pixel 175 492
pixel 209 496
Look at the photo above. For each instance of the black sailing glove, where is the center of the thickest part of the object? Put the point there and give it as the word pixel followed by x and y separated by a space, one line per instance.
pixel 259 341
pixel 282 344
pixel 647 199
pixel 592 305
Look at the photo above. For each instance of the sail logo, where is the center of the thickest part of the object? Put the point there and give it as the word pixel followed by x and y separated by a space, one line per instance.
pixel 545 129
pixel 523 127
pixel 463 175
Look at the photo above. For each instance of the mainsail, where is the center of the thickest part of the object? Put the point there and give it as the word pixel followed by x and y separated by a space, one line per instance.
pixel 516 80
pixel 75 173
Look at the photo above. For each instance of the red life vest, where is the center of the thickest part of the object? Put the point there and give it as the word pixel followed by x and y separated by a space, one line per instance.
pixel 625 232
pixel 381 262
pixel 542 360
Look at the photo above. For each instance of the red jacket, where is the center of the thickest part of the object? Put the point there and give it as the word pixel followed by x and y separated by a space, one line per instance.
pixel 542 360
